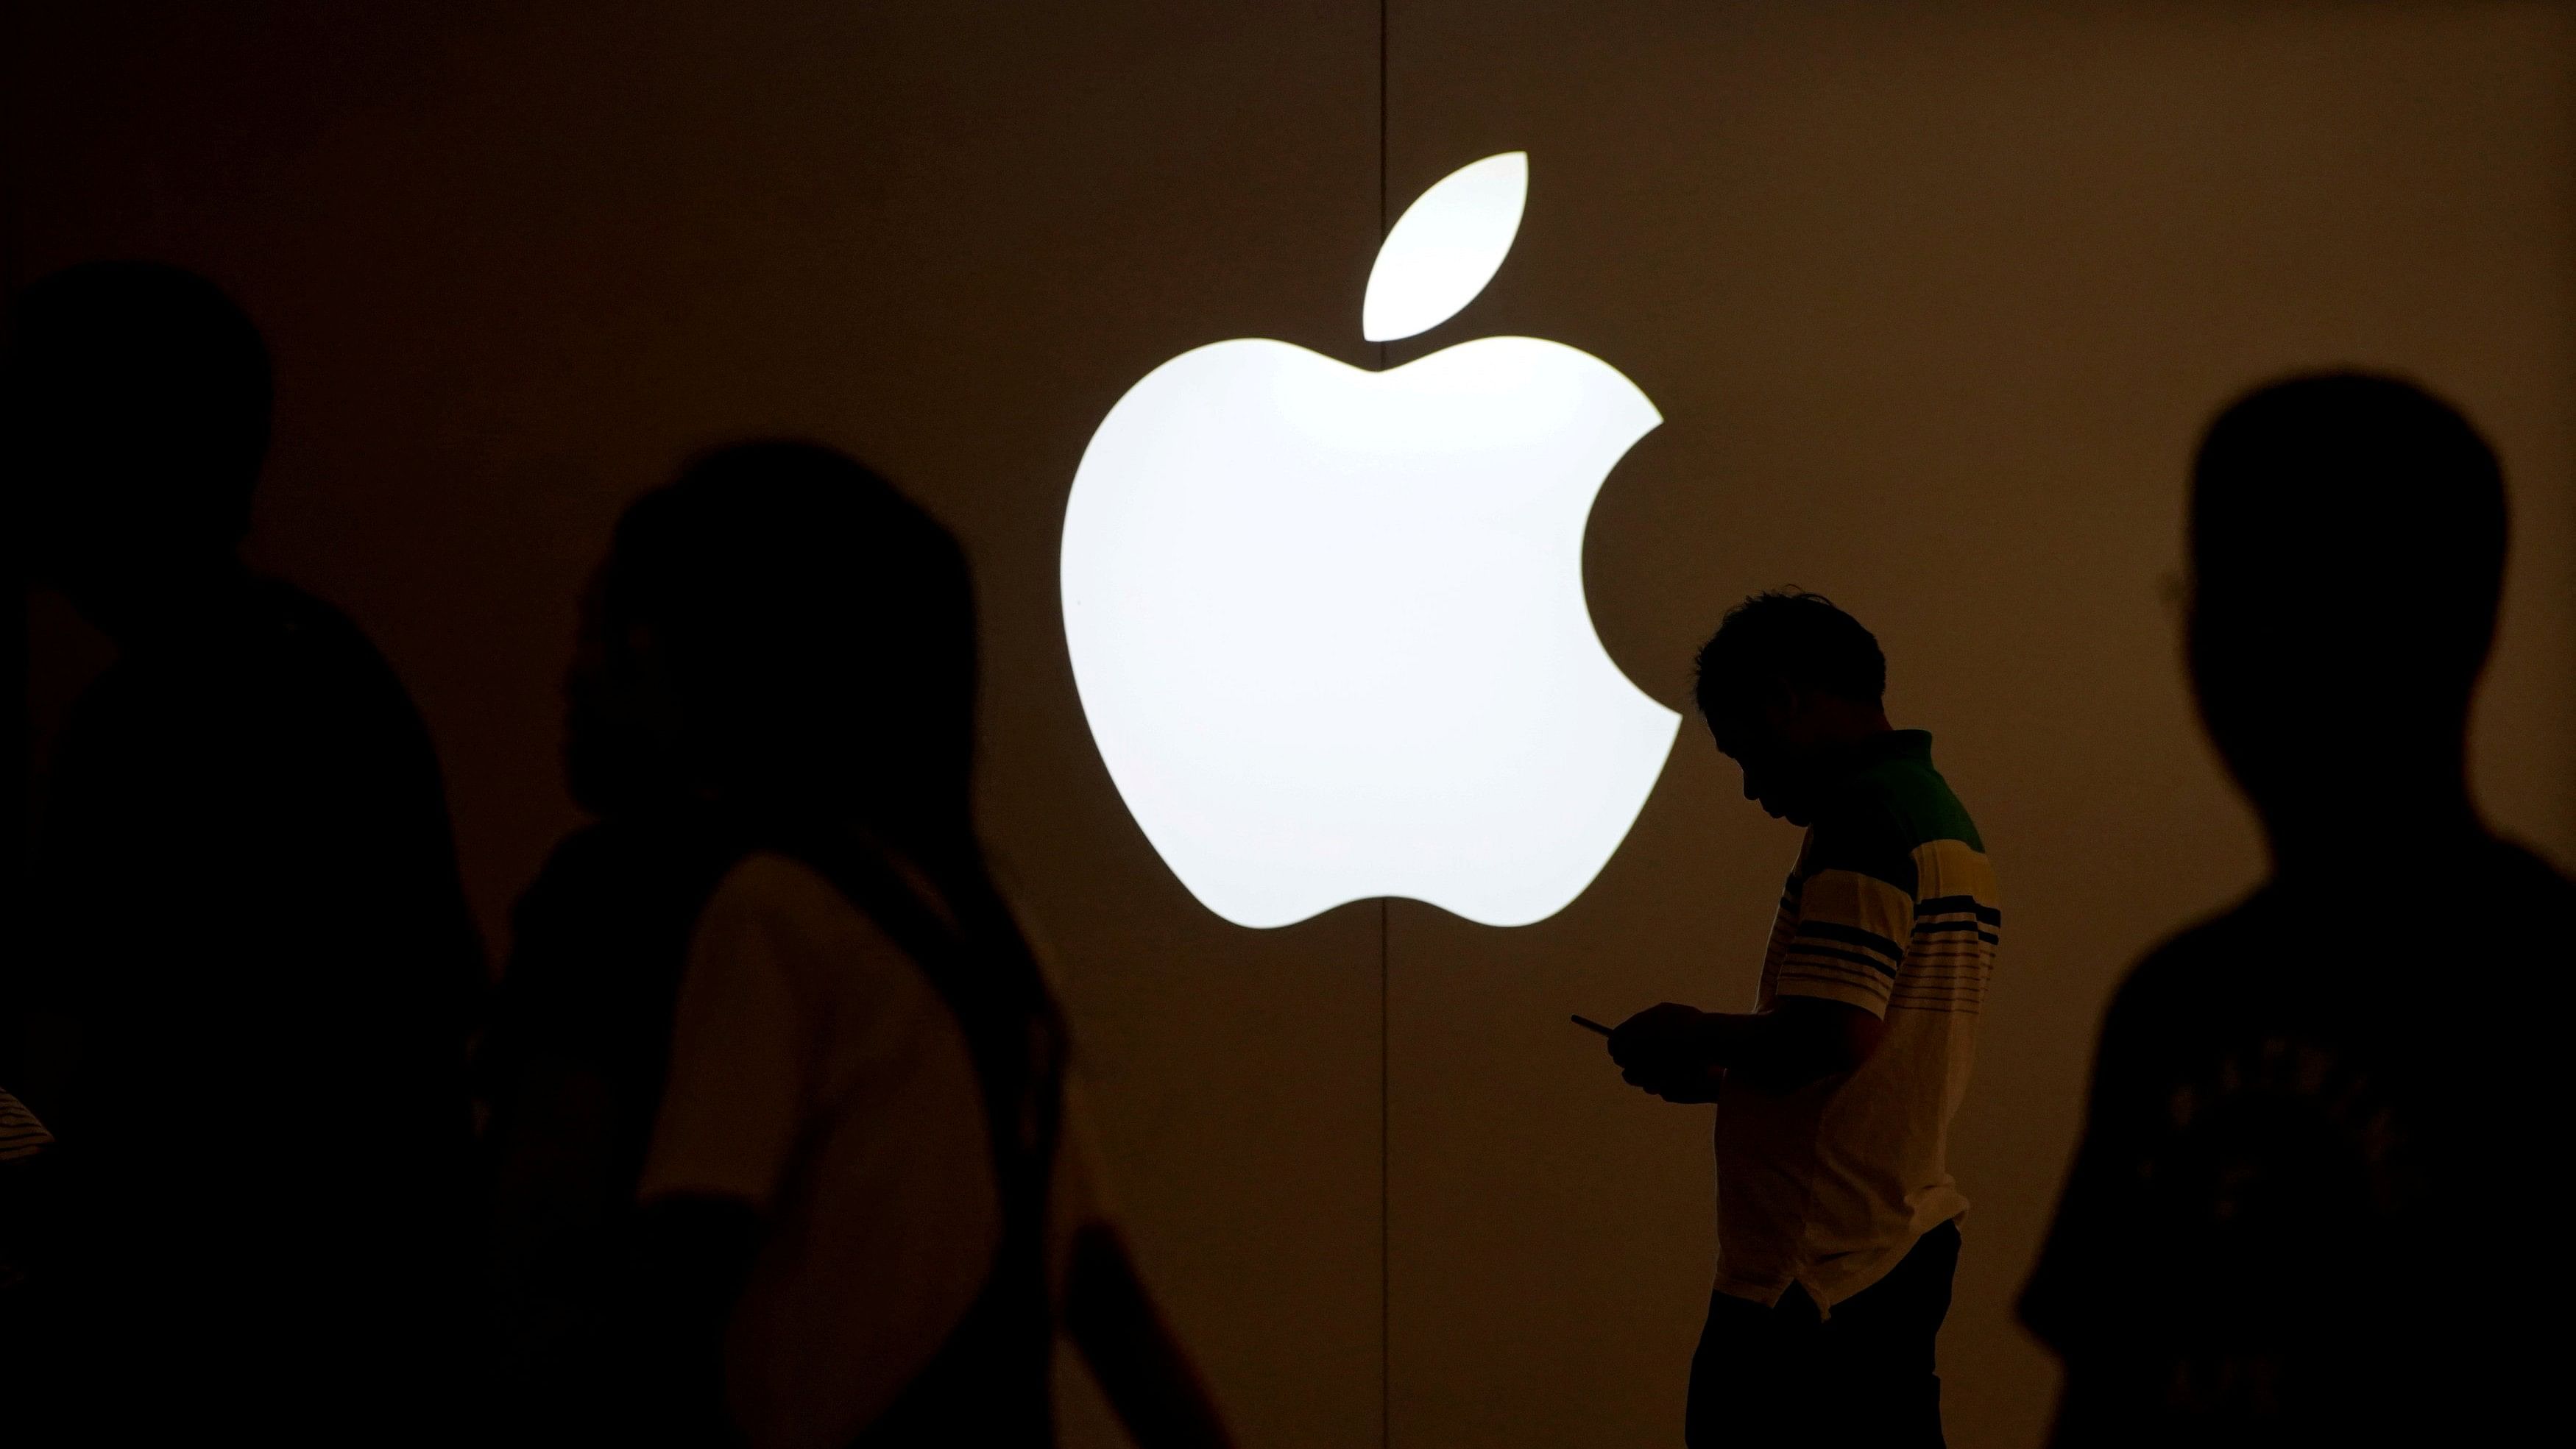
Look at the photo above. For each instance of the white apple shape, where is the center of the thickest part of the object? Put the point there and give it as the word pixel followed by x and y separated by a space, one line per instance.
pixel 1328 624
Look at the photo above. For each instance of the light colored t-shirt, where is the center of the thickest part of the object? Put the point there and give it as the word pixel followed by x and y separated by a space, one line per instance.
pixel 817 1076
pixel 1891 908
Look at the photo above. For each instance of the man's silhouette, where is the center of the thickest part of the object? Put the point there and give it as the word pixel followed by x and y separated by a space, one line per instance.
pixel 1836 1222
pixel 252 971
pixel 2308 1204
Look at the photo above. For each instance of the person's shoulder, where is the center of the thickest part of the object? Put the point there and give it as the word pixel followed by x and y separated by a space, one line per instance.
pixel 275 683
pixel 779 928
pixel 772 884
pixel 295 615
pixel 1859 830
pixel 2207 956
pixel 1887 812
pixel 262 647
pixel 1911 792
pixel 300 632
pixel 796 913
pixel 2210 942
pixel 295 668
pixel 1903 797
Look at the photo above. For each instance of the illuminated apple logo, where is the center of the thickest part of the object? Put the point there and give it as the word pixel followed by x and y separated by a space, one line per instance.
pixel 1328 624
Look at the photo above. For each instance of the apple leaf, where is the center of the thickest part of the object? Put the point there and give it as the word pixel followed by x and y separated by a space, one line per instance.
pixel 1445 248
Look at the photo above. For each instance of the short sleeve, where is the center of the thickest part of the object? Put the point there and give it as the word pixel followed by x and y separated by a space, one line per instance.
pixel 741 1061
pixel 1850 939
pixel 1855 907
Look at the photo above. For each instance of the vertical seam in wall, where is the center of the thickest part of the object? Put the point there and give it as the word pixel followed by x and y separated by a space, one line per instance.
pixel 1385 1295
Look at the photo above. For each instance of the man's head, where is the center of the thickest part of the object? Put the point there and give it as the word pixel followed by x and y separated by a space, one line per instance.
pixel 137 415
pixel 1786 683
pixel 2347 554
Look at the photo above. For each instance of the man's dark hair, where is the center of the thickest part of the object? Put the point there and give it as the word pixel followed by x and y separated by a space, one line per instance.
pixel 1788 635
pixel 143 390
pixel 2343 517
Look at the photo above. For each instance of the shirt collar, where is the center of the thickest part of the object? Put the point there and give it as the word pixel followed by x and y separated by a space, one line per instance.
pixel 1915 745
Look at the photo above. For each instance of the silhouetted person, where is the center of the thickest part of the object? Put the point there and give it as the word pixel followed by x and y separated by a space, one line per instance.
pixel 2308 1204
pixel 1836 1213
pixel 245 1004
pixel 781 1149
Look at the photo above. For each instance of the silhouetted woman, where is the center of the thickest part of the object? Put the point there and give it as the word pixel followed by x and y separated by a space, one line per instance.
pixel 779 1142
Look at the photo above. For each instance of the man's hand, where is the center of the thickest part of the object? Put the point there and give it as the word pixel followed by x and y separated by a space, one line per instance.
pixel 1668 1050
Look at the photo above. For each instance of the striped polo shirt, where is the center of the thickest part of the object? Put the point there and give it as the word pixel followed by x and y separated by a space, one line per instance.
pixel 1891 908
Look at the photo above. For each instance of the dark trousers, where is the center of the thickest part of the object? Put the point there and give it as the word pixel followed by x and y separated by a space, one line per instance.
pixel 1786 1375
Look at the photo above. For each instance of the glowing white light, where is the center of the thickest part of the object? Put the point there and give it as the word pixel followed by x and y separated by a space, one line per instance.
pixel 1329 629
pixel 1445 248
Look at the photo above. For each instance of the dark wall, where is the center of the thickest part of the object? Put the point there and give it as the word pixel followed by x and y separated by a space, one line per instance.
pixel 1933 301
